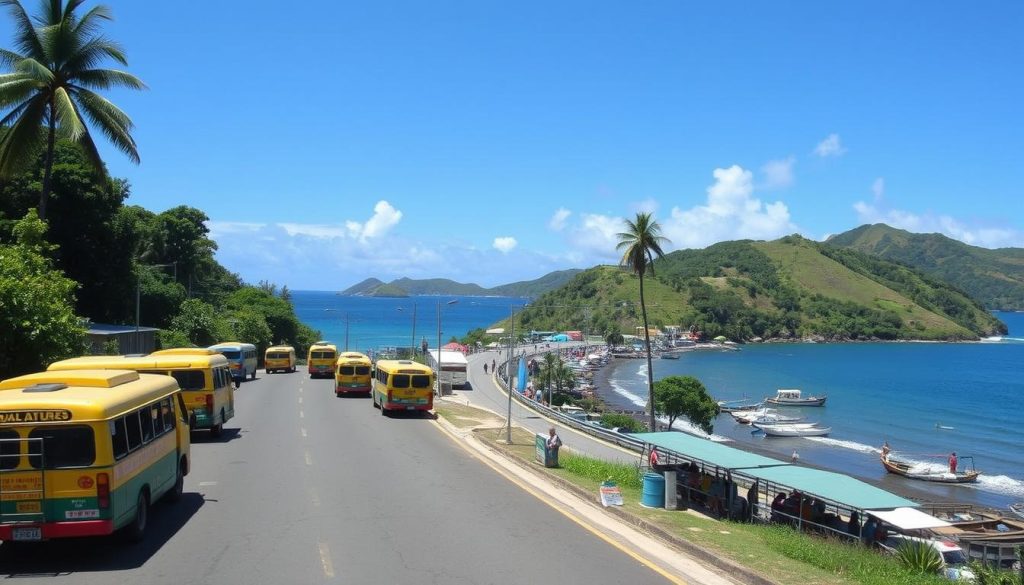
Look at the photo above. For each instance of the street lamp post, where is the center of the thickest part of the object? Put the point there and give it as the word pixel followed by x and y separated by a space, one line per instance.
pixel 451 302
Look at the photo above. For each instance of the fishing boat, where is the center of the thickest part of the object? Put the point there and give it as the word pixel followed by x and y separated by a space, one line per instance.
pixel 795 430
pixel 665 355
pixel 742 405
pixel 778 419
pixel 925 472
pixel 793 397
pixel 1017 509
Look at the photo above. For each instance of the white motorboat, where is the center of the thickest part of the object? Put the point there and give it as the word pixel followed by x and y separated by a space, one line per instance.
pixel 795 430
pixel 778 419
pixel 793 397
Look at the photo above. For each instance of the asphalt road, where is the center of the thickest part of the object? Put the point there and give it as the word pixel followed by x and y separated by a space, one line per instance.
pixel 305 487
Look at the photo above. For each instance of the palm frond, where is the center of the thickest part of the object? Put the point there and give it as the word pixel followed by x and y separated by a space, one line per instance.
pixel 68 121
pixel 16 89
pixel 93 154
pixel 35 70
pixel 9 58
pixel 107 78
pixel 88 24
pixel 115 124
pixel 13 114
pixel 20 143
pixel 91 53
pixel 25 37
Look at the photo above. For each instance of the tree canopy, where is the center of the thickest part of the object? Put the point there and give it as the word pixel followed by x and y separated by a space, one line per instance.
pixel 677 396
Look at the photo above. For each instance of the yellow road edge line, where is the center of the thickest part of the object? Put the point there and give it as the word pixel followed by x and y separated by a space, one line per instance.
pixel 547 500
pixel 325 559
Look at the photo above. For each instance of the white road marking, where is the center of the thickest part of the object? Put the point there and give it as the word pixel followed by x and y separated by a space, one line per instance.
pixel 302 414
pixel 314 497
pixel 300 400
pixel 325 559
pixel 309 459
pixel 207 483
pixel 303 431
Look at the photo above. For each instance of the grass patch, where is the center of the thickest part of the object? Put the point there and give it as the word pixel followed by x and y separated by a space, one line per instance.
pixel 463 417
pixel 598 471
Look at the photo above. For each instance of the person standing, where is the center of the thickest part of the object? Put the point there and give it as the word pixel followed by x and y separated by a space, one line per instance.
pixel 952 462
pixel 554 441
pixel 885 451
pixel 485 367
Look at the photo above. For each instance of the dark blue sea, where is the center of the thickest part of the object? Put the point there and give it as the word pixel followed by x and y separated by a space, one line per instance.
pixel 926 399
pixel 376 322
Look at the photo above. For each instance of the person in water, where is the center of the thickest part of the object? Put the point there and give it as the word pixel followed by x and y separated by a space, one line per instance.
pixel 952 463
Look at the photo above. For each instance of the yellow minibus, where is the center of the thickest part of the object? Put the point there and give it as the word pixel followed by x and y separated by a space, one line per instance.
pixel 321 359
pixel 279 358
pixel 86 452
pixel 402 385
pixel 352 373
pixel 201 373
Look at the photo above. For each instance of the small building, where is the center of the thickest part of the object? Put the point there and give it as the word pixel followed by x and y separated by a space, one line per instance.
pixel 129 340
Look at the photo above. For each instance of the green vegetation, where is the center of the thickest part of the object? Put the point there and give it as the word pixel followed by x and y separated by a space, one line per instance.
pixel 677 396
pixel 92 253
pixel 403 287
pixel 994 278
pixel 599 471
pixel 612 420
pixel 50 90
pixel 786 289
pixel 919 557
pixel 37 319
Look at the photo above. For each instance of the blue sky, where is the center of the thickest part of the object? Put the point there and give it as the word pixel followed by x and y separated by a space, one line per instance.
pixel 491 142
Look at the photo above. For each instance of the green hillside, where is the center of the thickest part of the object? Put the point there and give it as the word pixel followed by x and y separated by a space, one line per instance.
pixel 534 288
pixel 388 290
pixel 789 288
pixel 362 288
pixel 995 278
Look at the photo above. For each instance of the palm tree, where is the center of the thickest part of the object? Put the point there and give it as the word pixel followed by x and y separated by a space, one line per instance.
pixel 641 241
pixel 50 88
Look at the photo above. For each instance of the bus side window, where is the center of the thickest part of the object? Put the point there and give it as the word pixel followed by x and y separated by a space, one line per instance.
pixel 147 425
pixel 119 437
pixel 131 422
pixel 158 421
pixel 167 413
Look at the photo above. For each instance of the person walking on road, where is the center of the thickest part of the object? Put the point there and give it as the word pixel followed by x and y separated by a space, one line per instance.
pixel 493 369
pixel 485 367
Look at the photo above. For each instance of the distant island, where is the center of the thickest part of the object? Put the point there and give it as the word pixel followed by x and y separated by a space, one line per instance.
pixel 404 287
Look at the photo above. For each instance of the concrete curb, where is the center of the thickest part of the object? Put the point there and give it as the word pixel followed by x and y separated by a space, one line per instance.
pixel 725 565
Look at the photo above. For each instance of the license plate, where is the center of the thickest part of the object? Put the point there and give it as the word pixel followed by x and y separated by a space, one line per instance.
pixel 28 507
pixel 410 408
pixel 22 533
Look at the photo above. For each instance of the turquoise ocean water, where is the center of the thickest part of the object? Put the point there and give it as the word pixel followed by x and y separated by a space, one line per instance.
pixel 375 322
pixel 906 393
pixel 924 398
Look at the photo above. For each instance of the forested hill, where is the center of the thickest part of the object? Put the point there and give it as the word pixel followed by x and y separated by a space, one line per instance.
pixel 790 288
pixel 995 278
pixel 443 286
pixel 86 260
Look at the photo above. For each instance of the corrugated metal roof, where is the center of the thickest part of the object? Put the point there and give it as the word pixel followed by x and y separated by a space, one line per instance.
pixel 828 485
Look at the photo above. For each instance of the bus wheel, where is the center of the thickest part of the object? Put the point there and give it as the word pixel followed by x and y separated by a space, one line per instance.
pixel 217 429
pixel 179 484
pixel 137 529
pixel 254 374
pixel 383 412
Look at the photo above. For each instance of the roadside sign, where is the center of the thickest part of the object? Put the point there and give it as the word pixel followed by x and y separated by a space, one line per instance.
pixel 610 494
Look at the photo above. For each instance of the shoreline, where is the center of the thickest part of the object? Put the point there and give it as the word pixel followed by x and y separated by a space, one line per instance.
pixel 603 391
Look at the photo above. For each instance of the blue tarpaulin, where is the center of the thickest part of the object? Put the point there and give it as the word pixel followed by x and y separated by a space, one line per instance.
pixel 521 376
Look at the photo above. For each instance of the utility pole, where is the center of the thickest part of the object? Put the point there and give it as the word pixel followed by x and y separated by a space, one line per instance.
pixel 512 326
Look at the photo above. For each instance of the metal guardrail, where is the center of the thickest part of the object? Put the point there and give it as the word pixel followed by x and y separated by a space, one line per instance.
pixel 593 430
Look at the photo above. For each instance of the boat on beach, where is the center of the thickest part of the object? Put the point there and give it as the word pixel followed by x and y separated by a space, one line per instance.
pixel 1017 510
pixel 793 397
pixel 794 430
pixel 925 472
pixel 731 406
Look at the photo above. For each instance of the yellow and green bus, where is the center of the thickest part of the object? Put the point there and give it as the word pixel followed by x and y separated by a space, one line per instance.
pixel 353 373
pixel 279 358
pixel 202 374
pixel 322 356
pixel 402 385
pixel 86 452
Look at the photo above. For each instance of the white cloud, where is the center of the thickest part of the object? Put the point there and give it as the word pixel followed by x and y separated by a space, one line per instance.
pixel 596 236
pixel 730 213
pixel 778 174
pixel 384 218
pixel 557 221
pixel 505 244
pixel 878 188
pixel 831 146
pixel 975 235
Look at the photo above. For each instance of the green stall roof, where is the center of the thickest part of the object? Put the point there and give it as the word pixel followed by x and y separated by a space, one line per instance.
pixel 832 486
pixel 828 485
pixel 706 450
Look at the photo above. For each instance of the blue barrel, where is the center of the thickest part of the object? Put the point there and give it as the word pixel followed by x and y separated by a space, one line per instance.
pixel 653 495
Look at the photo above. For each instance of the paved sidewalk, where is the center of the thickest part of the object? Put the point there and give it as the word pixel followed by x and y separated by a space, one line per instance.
pixel 484 392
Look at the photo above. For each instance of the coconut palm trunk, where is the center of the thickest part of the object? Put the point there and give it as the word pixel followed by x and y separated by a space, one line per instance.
pixel 650 366
pixel 51 139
